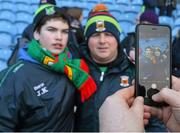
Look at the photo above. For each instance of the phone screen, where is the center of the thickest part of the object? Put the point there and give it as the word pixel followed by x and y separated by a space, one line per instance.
pixel 153 58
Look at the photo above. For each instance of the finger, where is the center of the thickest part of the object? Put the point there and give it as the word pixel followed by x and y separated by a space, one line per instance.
pixel 147 115
pixel 138 106
pixel 126 93
pixel 169 96
pixel 156 112
pixel 175 83
pixel 146 121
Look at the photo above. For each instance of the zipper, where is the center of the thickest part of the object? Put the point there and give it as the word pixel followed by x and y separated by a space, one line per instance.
pixel 102 76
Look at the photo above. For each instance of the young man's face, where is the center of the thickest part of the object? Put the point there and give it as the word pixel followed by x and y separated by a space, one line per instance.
pixel 103 47
pixel 53 35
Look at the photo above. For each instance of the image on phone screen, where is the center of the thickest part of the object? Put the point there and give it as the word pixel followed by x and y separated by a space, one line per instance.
pixel 153 58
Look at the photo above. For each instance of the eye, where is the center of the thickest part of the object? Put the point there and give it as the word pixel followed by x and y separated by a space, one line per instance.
pixel 65 31
pixel 51 29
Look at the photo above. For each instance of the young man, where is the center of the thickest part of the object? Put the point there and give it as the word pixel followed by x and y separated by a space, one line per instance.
pixel 36 94
pixel 108 65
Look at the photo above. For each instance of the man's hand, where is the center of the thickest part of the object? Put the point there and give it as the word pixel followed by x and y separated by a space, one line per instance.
pixel 119 113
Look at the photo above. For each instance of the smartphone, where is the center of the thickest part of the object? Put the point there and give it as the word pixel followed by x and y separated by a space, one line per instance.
pixel 152 61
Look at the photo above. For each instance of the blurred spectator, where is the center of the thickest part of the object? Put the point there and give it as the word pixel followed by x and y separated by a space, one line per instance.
pixel 166 7
pixel 176 55
pixel 149 4
pixel 76 15
pixel 129 42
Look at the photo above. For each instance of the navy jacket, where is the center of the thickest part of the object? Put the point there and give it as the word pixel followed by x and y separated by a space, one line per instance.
pixel 87 118
pixel 34 98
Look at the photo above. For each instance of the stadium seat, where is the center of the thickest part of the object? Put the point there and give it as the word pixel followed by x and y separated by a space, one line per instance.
pixel 8 5
pixel 115 13
pixel 7 26
pixel 34 2
pixel 177 22
pixel 23 7
pixel 21 25
pixel 123 2
pixel 5 53
pixel 175 30
pixel 24 16
pixel 133 8
pixel 23 1
pixel 126 26
pixel 7 15
pixel 137 2
pixel 3 65
pixel 5 40
pixel 108 2
pixel 166 20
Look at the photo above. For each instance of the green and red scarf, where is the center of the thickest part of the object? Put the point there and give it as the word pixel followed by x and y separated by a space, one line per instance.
pixel 75 69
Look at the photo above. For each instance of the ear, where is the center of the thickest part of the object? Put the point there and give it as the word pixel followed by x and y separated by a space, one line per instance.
pixel 36 35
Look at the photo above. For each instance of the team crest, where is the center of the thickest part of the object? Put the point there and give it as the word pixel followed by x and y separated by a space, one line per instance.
pixel 50 10
pixel 100 26
pixel 124 81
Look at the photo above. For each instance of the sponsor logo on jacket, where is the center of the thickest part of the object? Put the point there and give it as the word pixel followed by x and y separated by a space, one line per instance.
pixel 40 89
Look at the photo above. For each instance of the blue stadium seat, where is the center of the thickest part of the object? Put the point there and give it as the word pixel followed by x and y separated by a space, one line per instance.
pixel 125 25
pixel 133 8
pixel 7 15
pixel 123 2
pixel 23 1
pixel 115 13
pixel 3 65
pixel 108 2
pixel 166 20
pixel 8 5
pixel 131 16
pixel 24 16
pixel 175 30
pixel 177 21
pixel 23 7
pixel 21 25
pixel 7 26
pixel 5 40
pixel 5 53
pixel 34 2
pixel 137 2
pixel 34 7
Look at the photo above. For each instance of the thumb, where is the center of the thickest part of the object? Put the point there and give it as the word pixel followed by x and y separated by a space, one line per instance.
pixel 138 106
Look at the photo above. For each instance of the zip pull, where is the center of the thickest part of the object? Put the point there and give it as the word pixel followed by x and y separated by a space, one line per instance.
pixel 102 76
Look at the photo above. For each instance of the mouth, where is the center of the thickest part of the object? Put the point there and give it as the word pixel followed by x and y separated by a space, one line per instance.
pixel 57 46
pixel 102 49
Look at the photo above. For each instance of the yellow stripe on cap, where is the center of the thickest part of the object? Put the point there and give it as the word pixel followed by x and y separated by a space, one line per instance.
pixel 102 18
pixel 42 8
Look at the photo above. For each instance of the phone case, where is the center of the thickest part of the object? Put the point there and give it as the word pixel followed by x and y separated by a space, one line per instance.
pixel 150 68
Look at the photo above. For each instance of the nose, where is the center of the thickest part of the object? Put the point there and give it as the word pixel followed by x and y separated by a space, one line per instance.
pixel 102 38
pixel 59 35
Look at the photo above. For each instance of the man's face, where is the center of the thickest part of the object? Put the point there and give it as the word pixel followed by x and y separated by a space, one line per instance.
pixel 103 47
pixel 53 35
pixel 149 52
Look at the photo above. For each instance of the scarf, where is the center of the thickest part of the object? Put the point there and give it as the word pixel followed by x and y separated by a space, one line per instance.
pixel 75 69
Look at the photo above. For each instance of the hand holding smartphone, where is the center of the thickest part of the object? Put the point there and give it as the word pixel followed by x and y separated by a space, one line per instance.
pixel 153 61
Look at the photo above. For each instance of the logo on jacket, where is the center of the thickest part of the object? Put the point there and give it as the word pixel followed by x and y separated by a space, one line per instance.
pixel 40 89
pixel 124 81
